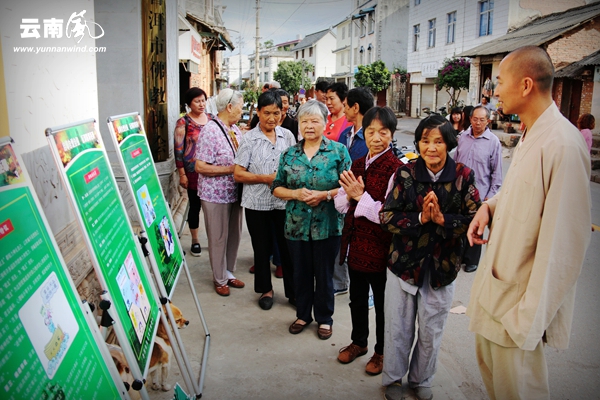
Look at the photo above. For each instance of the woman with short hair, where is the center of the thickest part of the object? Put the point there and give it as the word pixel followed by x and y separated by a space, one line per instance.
pixel 215 154
pixel 307 178
pixel 429 206
pixel 256 165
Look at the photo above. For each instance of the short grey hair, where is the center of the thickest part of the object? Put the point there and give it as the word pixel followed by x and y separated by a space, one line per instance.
pixel 228 96
pixel 487 111
pixel 275 84
pixel 313 107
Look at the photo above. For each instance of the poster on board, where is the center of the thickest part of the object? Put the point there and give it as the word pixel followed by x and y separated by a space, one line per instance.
pixel 81 158
pixel 128 136
pixel 47 350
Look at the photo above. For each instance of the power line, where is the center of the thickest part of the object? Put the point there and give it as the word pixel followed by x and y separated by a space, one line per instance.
pixel 291 15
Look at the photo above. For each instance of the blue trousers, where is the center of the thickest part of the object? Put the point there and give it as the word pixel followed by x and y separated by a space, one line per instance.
pixel 313 278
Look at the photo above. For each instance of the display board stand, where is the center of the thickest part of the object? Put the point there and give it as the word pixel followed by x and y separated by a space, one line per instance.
pixel 165 253
pixel 51 345
pixel 84 168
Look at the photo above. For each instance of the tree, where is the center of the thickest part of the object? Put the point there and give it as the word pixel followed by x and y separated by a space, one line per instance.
pixel 454 77
pixel 293 74
pixel 374 76
pixel 251 93
pixel 268 44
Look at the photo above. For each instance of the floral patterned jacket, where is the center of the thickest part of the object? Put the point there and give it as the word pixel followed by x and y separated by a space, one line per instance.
pixel 416 246
pixel 322 172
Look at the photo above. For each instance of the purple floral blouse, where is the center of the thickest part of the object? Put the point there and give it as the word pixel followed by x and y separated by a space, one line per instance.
pixel 215 148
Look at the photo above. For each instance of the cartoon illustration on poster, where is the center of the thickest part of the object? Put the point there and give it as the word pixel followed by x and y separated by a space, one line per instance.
pixel 10 170
pixel 49 323
pixel 147 207
pixel 167 236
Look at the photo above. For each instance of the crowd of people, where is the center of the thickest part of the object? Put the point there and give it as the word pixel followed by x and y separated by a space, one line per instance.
pixel 326 197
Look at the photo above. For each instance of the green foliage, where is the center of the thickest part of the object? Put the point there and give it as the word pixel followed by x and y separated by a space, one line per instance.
pixel 375 76
pixel 251 93
pixel 293 74
pixel 268 44
pixel 454 78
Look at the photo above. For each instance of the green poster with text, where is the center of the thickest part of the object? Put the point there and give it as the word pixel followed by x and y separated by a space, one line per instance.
pixel 129 137
pixel 81 158
pixel 47 348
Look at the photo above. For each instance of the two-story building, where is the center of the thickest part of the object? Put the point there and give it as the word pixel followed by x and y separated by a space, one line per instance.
pixel 269 59
pixel 317 50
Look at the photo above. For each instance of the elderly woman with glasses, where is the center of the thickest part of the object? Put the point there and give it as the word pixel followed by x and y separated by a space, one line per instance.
pixel 428 208
pixel 307 178
pixel 215 154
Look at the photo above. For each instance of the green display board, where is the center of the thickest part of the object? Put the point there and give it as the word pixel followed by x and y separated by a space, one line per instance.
pixel 136 159
pixel 47 348
pixel 83 163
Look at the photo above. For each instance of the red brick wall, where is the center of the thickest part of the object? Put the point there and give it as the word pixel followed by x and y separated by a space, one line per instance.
pixel 587 92
pixel 574 46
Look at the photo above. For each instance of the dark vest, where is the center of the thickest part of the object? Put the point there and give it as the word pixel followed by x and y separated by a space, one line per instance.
pixel 369 244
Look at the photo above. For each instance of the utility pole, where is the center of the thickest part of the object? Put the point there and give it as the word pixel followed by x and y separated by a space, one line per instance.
pixel 240 44
pixel 256 54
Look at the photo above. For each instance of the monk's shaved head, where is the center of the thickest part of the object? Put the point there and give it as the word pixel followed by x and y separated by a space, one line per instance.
pixel 532 62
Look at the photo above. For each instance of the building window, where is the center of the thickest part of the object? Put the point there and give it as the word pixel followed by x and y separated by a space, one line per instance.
pixel 266 62
pixel 362 55
pixel 431 33
pixel 266 77
pixel 371 22
pixel 363 27
pixel 302 53
pixel 451 27
pixel 343 32
pixel 486 17
pixel 251 63
pixel 417 2
pixel 296 55
pixel 370 54
pixel 310 52
pixel 251 77
pixel 416 35
pixel 355 54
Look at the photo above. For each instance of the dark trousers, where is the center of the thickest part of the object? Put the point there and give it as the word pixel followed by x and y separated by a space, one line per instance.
pixel 194 212
pixel 472 255
pixel 313 262
pixel 264 228
pixel 359 306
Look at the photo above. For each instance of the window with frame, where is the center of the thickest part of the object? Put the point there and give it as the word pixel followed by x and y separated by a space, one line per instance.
pixel 486 17
pixel 362 56
pixel 371 22
pixel 369 54
pixel 416 36
pixel 302 53
pixel 417 2
pixel 451 31
pixel 266 77
pixel 251 63
pixel 343 32
pixel 266 62
pixel 363 27
pixel 310 52
pixel 296 55
pixel 431 33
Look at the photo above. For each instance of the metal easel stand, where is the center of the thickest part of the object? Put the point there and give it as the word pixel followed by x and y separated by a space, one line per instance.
pixel 138 383
pixel 184 363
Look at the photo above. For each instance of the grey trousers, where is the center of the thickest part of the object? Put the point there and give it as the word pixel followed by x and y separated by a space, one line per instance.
pixel 341 279
pixel 402 311
pixel 223 223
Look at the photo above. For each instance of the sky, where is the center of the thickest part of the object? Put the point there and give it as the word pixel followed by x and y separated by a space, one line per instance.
pixel 280 20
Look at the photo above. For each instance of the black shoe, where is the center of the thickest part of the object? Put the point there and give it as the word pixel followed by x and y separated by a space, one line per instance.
pixel 196 250
pixel 265 302
pixel 471 268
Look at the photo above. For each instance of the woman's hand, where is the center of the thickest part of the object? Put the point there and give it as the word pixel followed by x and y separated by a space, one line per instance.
pixel 431 210
pixel 183 181
pixel 353 187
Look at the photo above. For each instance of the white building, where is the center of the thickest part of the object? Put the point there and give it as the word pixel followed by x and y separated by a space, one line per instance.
pixel 375 30
pixel 440 30
pixel 317 49
pixel 269 60
pixel 236 69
